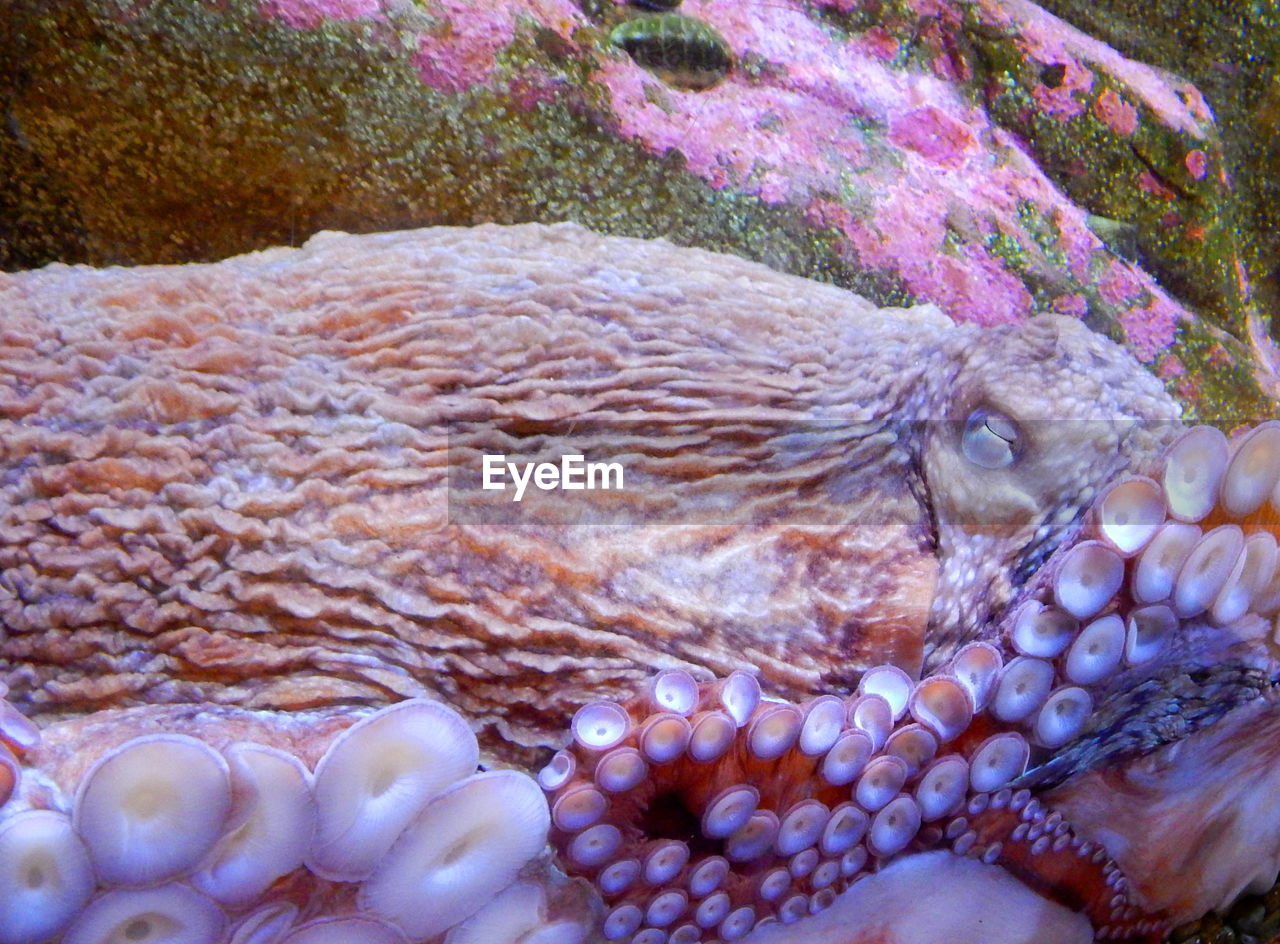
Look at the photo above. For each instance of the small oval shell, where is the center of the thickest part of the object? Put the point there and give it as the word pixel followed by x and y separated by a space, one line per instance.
pixel 680 50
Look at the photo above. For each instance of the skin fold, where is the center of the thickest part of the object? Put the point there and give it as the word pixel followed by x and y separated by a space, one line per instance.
pixel 239 470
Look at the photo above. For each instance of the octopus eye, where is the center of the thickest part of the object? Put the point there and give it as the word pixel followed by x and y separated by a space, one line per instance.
pixel 990 439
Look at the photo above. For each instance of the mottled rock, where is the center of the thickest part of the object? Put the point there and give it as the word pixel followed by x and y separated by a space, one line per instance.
pixel 1231 52
pixel 911 151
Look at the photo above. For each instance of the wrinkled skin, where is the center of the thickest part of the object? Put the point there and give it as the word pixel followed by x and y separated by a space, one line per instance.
pixel 240 470
pixel 227 486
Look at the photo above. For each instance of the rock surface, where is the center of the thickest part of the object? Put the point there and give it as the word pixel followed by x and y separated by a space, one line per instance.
pixel 911 150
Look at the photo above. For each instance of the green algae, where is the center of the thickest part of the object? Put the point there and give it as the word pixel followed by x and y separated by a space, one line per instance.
pixel 1182 226
pixel 1231 51
pixel 232 132
pixel 1219 387
pixel 235 153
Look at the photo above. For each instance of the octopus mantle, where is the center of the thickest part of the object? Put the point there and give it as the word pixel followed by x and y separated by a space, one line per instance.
pixel 934 606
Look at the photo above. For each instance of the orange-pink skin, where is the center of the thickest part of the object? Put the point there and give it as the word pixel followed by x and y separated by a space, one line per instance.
pixel 203 531
pixel 262 544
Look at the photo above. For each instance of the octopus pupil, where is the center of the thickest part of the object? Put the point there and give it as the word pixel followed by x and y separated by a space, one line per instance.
pixel 139 929
pixel 669 818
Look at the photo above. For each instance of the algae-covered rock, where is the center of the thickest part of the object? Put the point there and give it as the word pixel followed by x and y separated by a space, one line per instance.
pixel 908 149
pixel 1231 51
pixel 1126 141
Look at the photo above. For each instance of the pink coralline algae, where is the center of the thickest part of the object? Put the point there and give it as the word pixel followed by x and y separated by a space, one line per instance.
pixel 1076 305
pixel 880 43
pixel 464 55
pixel 1064 99
pixel 763 141
pixel 456 58
pixel 963 282
pixel 931 152
pixel 1149 183
pixel 1114 112
pixel 1119 283
pixel 1170 367
pixel 1150 330
pixel 1049 41
pixel 1117 132
pixel 838 120
pixel 308 14
pixel 887 159
pixel 457 61
pixel 1197 163
pixel 934 135
pixel 883 156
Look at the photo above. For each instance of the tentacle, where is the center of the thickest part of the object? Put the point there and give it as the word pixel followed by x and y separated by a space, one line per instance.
pixel 766 810
pixel 1169 573
pixel 1012 829
pixel 17 736
pixel 395 837
pixel 698 811
pixel 1200 604
pixel 799 801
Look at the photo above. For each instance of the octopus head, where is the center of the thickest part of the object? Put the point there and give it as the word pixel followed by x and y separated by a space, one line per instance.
pixel 1035 422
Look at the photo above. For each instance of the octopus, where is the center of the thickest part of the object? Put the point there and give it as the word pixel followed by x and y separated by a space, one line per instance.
pixel 892 629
